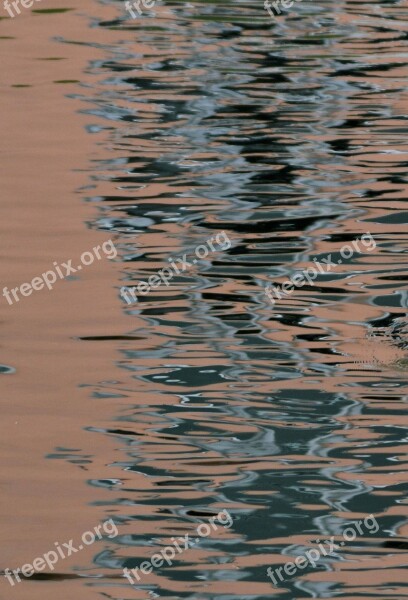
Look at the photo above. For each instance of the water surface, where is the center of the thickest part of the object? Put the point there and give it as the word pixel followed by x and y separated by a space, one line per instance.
pixel 290 136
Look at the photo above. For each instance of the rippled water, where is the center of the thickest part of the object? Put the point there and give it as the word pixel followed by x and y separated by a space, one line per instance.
pixel 290 136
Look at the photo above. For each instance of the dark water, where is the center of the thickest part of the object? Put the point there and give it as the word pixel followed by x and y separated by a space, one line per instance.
pixel 289 136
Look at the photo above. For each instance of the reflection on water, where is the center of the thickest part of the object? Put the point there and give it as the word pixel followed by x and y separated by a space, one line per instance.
pixel 291 137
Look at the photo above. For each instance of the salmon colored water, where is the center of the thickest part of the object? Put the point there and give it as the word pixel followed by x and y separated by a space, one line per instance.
pixel 159 133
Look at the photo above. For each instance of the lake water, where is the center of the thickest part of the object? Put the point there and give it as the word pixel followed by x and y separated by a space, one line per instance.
pixel 287 137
